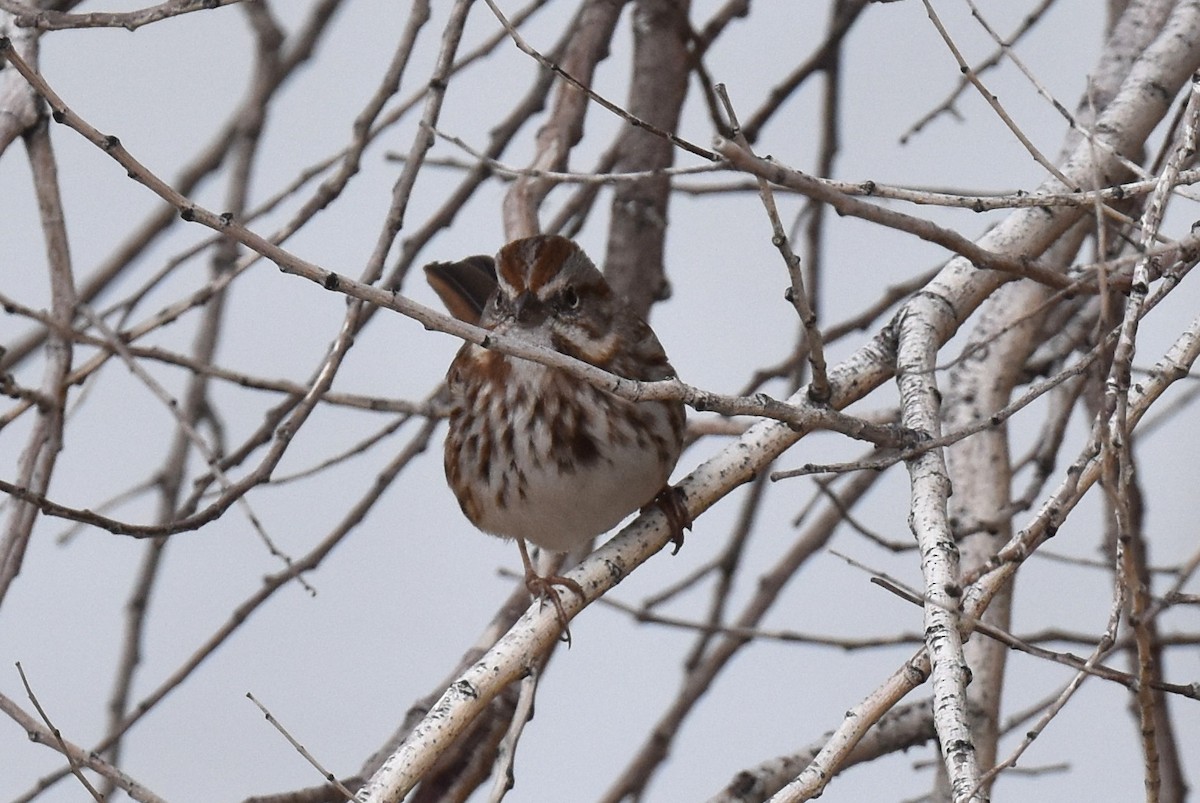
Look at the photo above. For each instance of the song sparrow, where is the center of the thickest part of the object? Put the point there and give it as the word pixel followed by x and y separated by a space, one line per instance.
pixel 534 453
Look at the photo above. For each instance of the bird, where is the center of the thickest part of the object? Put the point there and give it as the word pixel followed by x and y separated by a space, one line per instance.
pixel 534 453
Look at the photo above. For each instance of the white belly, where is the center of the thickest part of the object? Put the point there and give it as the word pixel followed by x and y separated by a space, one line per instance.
pixel 561 510
pixel 542 495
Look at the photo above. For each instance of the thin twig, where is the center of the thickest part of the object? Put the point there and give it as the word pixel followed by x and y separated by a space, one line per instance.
pixel 525 48
pixel 60 743
pixel 819 387
pixel 329 777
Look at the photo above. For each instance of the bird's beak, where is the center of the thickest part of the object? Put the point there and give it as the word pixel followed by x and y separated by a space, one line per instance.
pixel 528 310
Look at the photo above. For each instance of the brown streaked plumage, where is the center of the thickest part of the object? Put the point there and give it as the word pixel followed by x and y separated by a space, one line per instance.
pixel 534 453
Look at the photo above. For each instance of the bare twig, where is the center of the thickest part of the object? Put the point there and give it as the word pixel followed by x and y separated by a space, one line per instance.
pixel 330 778
pixel 79 757
pixel 814 344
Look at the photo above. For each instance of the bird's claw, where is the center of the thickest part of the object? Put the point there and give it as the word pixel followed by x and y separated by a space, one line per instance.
pixel 673 503
pixel 542 588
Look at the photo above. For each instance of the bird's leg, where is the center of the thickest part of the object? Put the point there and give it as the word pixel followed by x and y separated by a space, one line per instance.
pixel 673 503
pixel 543 588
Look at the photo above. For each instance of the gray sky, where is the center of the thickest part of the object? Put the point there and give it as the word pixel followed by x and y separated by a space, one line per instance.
pixel 399 600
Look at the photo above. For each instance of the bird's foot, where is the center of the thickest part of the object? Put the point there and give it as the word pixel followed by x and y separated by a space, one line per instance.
pixel 673 503
pixel 542 588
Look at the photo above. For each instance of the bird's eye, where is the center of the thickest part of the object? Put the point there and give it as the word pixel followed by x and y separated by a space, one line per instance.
pixel 570 298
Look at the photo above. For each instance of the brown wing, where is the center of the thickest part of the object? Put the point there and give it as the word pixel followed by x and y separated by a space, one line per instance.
pixel 645 358
pixel 464 286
